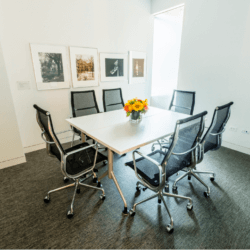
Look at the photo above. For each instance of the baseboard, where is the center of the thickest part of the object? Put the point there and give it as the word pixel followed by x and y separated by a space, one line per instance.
pixel 43 145
pixel 12 162
pixel 236 147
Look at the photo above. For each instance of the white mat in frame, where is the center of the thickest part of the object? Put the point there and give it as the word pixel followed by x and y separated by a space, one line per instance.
pixel 114 67
pixel 84 66
pixel 51 67
pixel 137 67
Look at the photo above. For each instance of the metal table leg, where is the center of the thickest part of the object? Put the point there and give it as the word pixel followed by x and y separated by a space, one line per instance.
pixel 112 176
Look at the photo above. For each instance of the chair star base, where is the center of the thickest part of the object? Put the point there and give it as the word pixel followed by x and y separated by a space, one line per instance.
pixel 194 173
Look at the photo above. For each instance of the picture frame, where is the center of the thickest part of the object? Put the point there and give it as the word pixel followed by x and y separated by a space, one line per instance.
pixel 137 67
pixel 84 67
pixel 51 67
pixel 114 67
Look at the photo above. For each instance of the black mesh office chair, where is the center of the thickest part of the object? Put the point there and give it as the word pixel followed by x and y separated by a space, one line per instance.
pixel 211 141
pixel 76 161
pixel 112 99
pixel 181 102
pixel 83 103
pixel 153 169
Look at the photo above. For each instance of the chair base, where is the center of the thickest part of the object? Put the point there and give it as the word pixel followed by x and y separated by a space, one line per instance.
pixel 160 194
pixel 76 184
pixel 194 173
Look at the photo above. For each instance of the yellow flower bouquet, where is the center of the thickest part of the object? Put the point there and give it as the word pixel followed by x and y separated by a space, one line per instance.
pixel 136 107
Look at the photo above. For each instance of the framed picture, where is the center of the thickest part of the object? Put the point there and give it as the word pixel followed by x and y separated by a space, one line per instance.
pixel 84 67
pixel 137 67
pixel 114 67
pixel 50 66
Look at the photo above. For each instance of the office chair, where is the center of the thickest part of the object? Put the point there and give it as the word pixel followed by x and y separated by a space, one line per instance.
pixel 211 141
pixel 181 102
pixel 83 103
pixel 154 169
pixel 76 161
pixel 112 99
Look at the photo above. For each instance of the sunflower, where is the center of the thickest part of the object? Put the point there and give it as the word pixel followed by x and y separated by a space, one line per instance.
pixel 138 106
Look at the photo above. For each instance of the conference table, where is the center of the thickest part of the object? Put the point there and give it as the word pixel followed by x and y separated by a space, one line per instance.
pixel 116 132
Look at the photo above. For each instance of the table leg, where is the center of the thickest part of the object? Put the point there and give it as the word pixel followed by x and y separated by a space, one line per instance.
pixel 83 137
pixel 112 176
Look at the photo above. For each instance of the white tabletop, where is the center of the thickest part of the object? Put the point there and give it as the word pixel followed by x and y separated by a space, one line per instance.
pixel 115 131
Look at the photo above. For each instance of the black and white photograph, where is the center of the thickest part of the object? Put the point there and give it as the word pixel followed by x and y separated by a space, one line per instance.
pixel 51 66
pixel 84 66
pixel 114 67
pixel 138 67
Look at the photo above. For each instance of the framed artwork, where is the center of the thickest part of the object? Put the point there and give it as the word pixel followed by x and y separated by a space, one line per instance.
pixel 84 67
pixel 114 67
pixel 50 66
pixel 137 67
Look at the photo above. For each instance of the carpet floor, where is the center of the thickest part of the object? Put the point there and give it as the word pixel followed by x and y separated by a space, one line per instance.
pixel 219 221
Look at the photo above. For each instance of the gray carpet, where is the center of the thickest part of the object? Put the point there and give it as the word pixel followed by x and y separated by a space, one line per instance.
pixel 220 221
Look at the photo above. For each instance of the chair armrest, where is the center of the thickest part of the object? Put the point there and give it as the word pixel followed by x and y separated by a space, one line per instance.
pixel 49 142
pixel 218 133
pixel 151 160
pixel 146 157
pixel 190 150
pixel 80 149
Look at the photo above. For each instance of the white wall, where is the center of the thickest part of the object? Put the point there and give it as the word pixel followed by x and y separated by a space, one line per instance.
pixel 11 150
pixel 215 61
pixel 161 5
pixel 109 25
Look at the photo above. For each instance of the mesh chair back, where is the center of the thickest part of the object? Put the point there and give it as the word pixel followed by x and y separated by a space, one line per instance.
pixel 112 99
pixel 219 121
pixel 83 103
pixel 187 135
pixel 183 102
pixel 45 123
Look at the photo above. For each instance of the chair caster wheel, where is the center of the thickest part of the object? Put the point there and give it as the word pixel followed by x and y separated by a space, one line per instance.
pixel 138 189
pixel 95 180
pixel 46 199
pixel 99 184
pixel 105 163
pixel 189 177
pixel 159 201
pixel 170 229
pixel 95 170
pixel 78 190
pixel 69 214
pixel 206 194
pixel 211 178
pixel 102 197
pixel 189 207
pixel 65 179
pixel 167 188
pixel 174 188
pixel 132 212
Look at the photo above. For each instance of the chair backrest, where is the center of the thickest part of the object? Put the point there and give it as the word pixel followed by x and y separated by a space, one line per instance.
pixel 182 102
pixel 213 137
pixel 83 103
pixel 186 138
pixel 112 99
pixel 45 123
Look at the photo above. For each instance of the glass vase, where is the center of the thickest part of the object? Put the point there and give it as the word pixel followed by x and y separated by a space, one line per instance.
pixel 135 116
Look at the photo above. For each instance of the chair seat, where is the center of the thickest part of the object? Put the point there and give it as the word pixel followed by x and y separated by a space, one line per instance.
pixel 150 172
pixel 146 169
pixel 82 160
